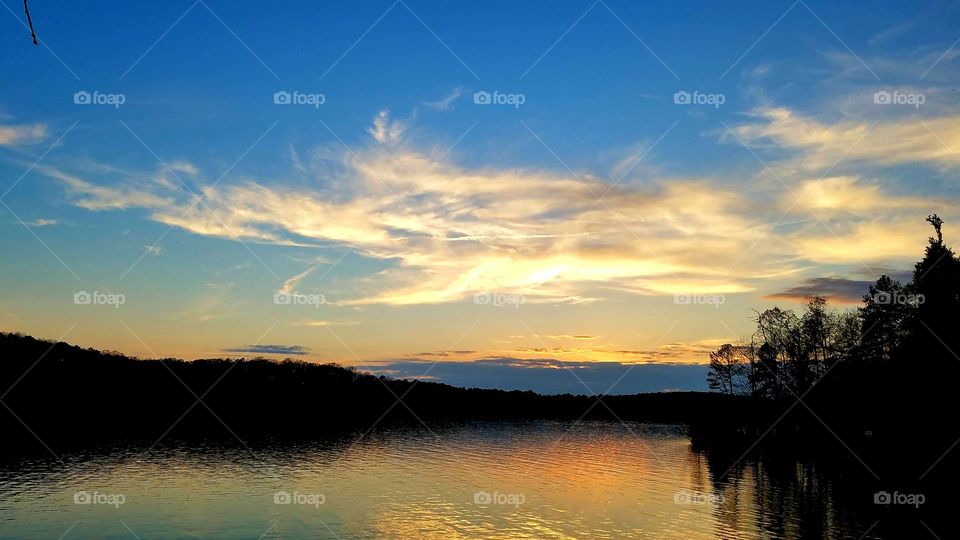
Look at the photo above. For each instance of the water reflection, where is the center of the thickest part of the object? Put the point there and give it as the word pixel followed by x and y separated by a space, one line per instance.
pixel 484 480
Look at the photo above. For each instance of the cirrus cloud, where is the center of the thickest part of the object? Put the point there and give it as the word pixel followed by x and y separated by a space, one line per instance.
pixel 444 233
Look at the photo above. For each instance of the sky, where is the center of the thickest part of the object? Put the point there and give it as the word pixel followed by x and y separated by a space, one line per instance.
pixel 584 197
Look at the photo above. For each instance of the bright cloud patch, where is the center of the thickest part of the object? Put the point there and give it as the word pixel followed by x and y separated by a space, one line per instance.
pixel 820 144
pixel 446 233
pixel 11 135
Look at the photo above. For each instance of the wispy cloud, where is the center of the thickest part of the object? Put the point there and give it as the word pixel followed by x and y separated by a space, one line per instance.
pixel 676 352
pixel 446 102
pixel 385 130
pixel 444 354
pixel 444 233
pixel 850 194
pixel 100 197
pixel 819 144
pixel 290 285
pixel 12 135
pixel 325 323
pixel 836 290
pixel 42 222
pixel 898 240
pixel 893 32
pixel 295 350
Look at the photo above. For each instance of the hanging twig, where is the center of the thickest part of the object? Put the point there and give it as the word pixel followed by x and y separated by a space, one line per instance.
pixel 32 33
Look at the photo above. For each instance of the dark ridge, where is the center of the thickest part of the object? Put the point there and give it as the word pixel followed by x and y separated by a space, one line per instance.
pixel 64 392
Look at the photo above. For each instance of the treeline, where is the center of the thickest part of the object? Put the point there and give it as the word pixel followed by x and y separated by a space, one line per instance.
pixel 56 392
pixel 870 391
pixel 900 328
pixel 788 352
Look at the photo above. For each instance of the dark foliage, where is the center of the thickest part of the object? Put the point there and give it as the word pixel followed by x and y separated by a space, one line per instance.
pixel 75 394
pixel 870 393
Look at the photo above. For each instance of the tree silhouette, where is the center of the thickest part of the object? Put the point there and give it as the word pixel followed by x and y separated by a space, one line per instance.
pixel 846 338
pixel 766 373
pixel 936 286
pixel 884 313
pixel 817 327
pixel 912 325
pixel 937 223
pixel 725 367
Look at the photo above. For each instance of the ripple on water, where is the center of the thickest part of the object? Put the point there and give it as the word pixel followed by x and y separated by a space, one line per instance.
pixel 489 480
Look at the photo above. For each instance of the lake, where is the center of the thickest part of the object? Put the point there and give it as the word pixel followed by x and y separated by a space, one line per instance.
pixel 479 480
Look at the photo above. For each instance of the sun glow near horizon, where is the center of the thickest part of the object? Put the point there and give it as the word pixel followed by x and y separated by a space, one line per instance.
pixel 437 217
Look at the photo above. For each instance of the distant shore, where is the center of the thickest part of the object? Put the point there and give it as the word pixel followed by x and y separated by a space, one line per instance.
pixel 86 394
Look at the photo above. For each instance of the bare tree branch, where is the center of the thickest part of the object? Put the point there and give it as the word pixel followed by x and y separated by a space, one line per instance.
pixel 30 22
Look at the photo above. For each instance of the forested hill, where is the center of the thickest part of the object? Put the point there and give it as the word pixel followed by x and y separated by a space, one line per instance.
pixel 58 390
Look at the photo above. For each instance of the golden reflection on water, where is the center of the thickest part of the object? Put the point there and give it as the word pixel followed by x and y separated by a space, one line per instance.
pixel 596 481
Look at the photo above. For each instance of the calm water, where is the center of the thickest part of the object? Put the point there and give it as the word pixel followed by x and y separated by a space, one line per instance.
pixel 501 480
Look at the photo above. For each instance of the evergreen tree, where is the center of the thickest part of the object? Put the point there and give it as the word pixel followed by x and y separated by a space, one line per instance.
pixel 884 314
pixel 936 293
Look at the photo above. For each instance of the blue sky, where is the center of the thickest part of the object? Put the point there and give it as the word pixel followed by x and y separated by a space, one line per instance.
pixel 602 221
